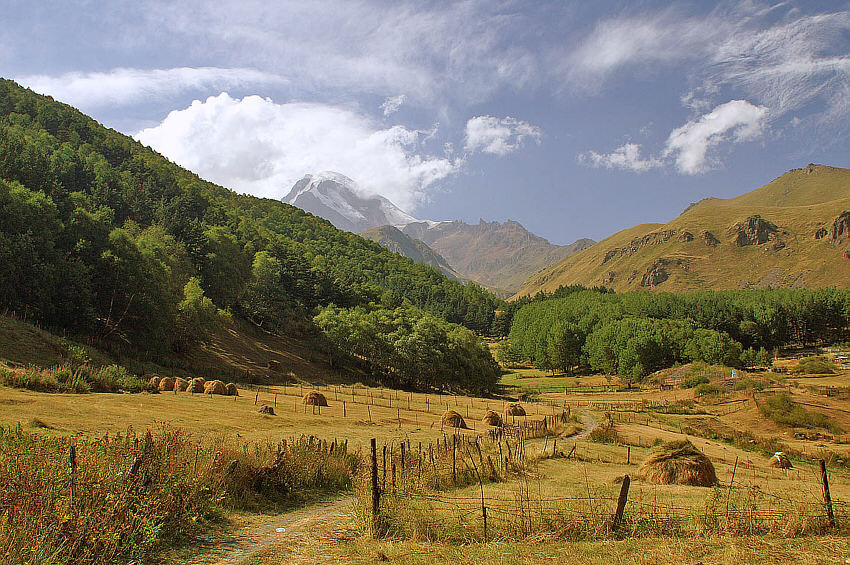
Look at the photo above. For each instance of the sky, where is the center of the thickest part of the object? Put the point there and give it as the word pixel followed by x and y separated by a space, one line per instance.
pixel 576 119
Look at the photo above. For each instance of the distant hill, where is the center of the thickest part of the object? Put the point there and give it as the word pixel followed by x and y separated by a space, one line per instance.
pixel 792 232
pixel 336 198
pixel 398 242
pixel 498 255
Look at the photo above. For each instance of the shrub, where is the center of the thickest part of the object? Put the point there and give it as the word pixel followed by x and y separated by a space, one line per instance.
pixel 814 366
pixel 748 384
pixel 706 389
pixel 695 381
pixel 784 411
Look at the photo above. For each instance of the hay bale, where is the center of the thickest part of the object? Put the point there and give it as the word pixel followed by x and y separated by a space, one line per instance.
pixel 514 409
pixel 266 409
pixel 196 385
pixel 155 381
pixel 166 383
pixel 180 384
pixel 678 463
pixel 231 389
pixel 215 387
pixel 780 461
pixel 492 418
pixel 315 398
pixel 452 419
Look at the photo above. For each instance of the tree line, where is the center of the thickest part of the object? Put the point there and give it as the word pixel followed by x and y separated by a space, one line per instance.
pixel 634 334
pixel 100 235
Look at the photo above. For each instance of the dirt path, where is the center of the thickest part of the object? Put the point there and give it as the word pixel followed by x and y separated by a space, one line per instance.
pixel 589 422
pixel 313 522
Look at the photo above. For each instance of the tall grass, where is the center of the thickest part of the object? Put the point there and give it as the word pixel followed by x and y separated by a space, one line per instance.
pixel 137 494
pixel 80 379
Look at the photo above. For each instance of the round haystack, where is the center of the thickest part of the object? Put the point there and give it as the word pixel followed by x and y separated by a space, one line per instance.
pixel 315 398
pixel 492 418
pixel 231 389
pixel 514 409
pixel 266 409
pixel 196 385
pixel 155 381
pixel 215 387
pixel 452 419
pixel 166 383
pixel 780 461
pixel 180 384
pixel 678 463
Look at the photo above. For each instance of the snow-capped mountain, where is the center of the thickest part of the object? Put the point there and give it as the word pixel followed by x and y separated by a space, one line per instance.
pixel 336 198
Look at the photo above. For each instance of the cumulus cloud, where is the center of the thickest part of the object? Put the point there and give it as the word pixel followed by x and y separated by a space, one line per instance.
pixel 123 86
pixel 627 156
pixel 735 121
pixel 687 146
pixel 498 136
pixel 392 104
pixel 256 146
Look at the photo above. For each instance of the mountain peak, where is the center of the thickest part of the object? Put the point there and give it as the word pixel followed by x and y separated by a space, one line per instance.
pixel 339 199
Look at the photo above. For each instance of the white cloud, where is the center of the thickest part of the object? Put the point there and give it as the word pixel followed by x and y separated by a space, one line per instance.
pixel 392 104
pixel 688 145
pixel 125 86
pixel 735 121
pixel 498 136
pixel 627 156
pixel 256 146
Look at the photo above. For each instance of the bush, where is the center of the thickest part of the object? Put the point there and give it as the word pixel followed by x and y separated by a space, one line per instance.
pixel 75 380
pixel 706 389
pixel 784 411
pixel 694 381
pixel 814 366
pixel 748 384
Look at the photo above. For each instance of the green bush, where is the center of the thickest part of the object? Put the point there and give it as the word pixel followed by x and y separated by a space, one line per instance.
pixel 784 411
pixel 814 366
pixel 706 389
pixel 695 381
pixel 748 384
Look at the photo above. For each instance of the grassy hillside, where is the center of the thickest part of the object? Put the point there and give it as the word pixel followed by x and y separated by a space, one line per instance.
pixel 398 242
pixel 494 254
pixel 792 232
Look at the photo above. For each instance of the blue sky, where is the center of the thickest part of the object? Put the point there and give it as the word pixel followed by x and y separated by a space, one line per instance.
pixel 575 118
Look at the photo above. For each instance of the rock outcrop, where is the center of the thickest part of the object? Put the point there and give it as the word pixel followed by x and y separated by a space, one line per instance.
pixel 654 238
pixel 841 228
pixel 709 238
pixel 755 230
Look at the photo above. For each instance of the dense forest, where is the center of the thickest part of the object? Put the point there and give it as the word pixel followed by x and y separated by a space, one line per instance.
pixel 634 334
pixel 102 236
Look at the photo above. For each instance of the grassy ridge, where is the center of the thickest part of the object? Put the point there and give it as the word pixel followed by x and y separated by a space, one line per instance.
pixel 799 203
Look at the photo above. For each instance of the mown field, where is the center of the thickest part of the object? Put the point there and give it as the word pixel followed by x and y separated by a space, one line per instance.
pixel 553 502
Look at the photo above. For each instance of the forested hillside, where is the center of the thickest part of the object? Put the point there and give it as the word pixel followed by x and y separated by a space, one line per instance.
pixel 102 236
pixel 633 334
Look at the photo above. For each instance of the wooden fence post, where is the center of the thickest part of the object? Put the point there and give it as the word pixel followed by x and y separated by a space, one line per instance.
pixel 72 460
pixel 454 458
pixel 376 493
pixel 826 496
pixel 402 457
pixel 621 503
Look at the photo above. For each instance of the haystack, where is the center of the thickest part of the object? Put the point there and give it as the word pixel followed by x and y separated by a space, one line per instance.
pixel 266 409
pixel 196 385
pixel 315 398
pixel 166 383
pixel 678 463
pixel 452 419
pixel 780 461
pixel 215 387
pixel 492 418
pixel 155 381
pixel 232 390
pixel 180 384
pixel 514 409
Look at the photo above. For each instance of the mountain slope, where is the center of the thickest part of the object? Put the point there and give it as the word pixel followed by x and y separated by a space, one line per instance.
pixel 336 198
pixel 494 254
pixel 792 232
pixel 398 242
